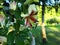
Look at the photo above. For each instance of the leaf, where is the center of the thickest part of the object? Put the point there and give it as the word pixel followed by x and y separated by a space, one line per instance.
pixel 28 2
pixel 19 41
pixel 22 21
pixel 3 31
pixel 17 14
pixel 22 38
pixel 6 21
pixel 36 0
pixel 21 1
pixel 24 9
pixel 10 38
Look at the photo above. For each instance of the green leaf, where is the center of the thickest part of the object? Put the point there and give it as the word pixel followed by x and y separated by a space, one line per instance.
pixel 28 2
pixel 10 38
pixel 17 25
pixel 3 31
pixel 36 0
pixel 22 21
pixel 24 9
pixel 17 14
pixel 22 38
pixel 19 40
pixel 21 1
pixel 6 21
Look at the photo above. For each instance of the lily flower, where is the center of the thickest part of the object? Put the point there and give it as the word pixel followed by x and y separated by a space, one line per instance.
pixel 3 39
pixel 29 18
pixel 13 5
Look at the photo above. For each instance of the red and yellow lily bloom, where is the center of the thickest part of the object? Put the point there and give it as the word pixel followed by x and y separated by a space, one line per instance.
pixel 30 17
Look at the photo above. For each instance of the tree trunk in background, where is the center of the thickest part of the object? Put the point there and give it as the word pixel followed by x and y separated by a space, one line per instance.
pixel 56 7
pixel 43 26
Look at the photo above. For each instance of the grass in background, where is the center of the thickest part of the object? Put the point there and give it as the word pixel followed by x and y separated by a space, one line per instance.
pixel 53 35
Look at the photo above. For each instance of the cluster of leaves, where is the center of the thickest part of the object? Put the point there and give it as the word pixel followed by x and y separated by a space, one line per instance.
pixel 19 38
pixel 16 37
